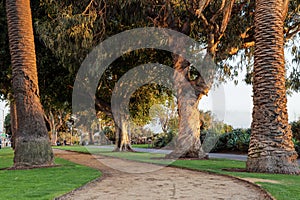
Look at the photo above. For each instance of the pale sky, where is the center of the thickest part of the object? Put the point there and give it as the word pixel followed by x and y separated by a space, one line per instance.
pixel 237 109
pixel 3 111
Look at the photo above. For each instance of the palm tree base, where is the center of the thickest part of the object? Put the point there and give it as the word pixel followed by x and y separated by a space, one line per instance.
pixel 273 164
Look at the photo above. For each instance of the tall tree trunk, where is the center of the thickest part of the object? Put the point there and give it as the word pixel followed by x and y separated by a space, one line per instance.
pixel 32 145
pixel 271 149
pixel 91 137
pixel 122 138
pixel 52 128
pixel 51 121
pixel 188 141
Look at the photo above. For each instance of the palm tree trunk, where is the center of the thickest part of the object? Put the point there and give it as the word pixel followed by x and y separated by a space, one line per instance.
pixel 13 121
pixel 271 149
pixel 32 145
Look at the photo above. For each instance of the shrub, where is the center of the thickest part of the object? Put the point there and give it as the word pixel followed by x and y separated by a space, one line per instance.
pixel 295 126
pixel 109 133
pixel 163 139
pixel 296 145
pixel 237 140
pixel 209 139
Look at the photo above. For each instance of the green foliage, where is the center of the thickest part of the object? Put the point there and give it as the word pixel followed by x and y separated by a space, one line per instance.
pixel 209 123
pixel 295 126
pixel 164 139
pixel 237 140
pixel 109 133
pixel 69 33
pixel 144 98
pixel 42 183
pixel 5 69
pixel 296 145
pixel 7 124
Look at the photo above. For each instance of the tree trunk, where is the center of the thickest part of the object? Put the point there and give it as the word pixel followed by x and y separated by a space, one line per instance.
pixel 188 144
pixel 271 149
pixel 91 137
pixel 32 145
pixel 122 138
pixel 188 141
pixel 53 129
pixel 13 121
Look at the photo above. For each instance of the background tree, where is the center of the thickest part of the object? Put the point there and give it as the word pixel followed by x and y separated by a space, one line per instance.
pixel 32 146
pixel 7 125
pixel 271 148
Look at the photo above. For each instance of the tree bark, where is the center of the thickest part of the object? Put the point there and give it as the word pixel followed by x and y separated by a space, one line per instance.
pixel 32 145
pixel 91 137
pixel 271 148
pixel 13 121
pixel 122 138
pixel 52 125
pixel 188 143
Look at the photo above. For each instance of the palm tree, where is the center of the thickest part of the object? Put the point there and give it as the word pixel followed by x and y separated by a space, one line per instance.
pixel 32 145
pixel 271 148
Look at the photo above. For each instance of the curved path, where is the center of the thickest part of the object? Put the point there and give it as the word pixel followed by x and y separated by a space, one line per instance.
pixel 166 183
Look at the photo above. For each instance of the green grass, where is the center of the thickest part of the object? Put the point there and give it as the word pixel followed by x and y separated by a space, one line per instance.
pixel 41 183
pixel 146 146
pixel 137 156
pixel 81 149
pixel 287 188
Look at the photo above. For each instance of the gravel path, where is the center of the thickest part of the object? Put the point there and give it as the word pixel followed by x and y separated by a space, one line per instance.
pixel 165 183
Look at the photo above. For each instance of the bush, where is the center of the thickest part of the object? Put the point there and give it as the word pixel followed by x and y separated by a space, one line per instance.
pixel 163 139
pixel 109 133
pixel 296 145
pixel 237 140
pixel 209 139
pixel 295 126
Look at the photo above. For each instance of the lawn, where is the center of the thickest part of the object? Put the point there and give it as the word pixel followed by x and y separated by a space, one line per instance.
pixel 288 186
pixel 142 146
pixel 42 183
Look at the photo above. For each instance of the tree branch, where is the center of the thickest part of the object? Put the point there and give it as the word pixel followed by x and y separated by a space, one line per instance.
pixel 88 7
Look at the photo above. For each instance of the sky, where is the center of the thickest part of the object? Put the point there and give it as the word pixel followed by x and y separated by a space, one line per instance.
pixel 233 104
pixel 3 112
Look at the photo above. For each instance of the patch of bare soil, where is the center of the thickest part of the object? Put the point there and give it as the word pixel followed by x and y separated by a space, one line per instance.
pixel 165 183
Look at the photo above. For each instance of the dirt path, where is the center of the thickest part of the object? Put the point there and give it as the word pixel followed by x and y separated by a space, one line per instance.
pixel 166 183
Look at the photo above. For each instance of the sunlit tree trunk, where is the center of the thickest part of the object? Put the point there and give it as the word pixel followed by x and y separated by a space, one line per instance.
pixel 188 144
pixel 271 148
pixel 122 137
pixel 32 145
pixel 52 125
